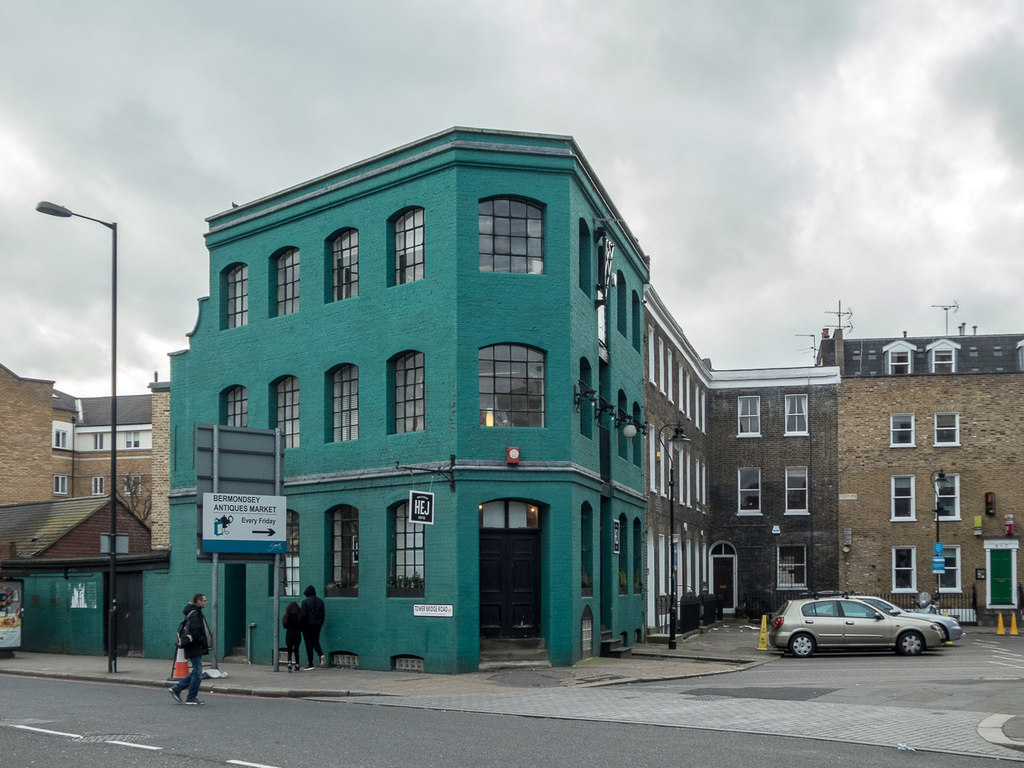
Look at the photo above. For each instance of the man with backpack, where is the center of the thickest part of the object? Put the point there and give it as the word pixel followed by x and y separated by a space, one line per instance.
pixel 193 641
pixel 311 621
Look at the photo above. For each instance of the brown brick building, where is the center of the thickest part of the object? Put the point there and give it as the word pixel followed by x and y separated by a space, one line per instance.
pixel 910 409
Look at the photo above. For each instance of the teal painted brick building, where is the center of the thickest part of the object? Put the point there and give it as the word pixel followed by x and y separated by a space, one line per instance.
pixel 473 294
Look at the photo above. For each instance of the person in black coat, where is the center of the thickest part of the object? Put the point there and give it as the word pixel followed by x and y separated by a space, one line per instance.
pixel 292 633
pixel 311 619
pixel 197 646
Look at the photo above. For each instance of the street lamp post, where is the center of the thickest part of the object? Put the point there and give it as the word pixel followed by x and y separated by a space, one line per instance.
pixel 938 478
pixel 52 209
pixel 678 438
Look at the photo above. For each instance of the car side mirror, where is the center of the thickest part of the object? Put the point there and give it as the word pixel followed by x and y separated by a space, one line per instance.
pixel 879 617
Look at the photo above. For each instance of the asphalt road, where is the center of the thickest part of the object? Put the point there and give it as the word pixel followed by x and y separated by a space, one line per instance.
pixel 88 725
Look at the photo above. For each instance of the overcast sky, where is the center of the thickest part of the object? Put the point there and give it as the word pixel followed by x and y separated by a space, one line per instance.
pixel 773 158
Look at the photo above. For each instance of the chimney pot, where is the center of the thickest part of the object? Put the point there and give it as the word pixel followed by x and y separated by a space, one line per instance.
pixel 824 333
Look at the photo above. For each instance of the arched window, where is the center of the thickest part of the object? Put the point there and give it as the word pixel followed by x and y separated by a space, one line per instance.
pixel 287 268
pixel 622 413
pixel 623 545
pixel 410 401
pixel 586 405
pixel 511 236
pixel 290 571
pixel 286 391
pixel 236 296
pixel 236 407
pixel 587 549
pixel 637 324
pixel 344 551
pixel 586 282
pixel 621 293
pixel 345 403
pixel 345 265
pixel 638 557
pixel 408 247
pixel 406 555
pixel 511 386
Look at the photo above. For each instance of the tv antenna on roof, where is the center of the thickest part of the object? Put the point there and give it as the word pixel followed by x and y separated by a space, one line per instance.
pixel 813 349
pixel 842 316
pixel 955 306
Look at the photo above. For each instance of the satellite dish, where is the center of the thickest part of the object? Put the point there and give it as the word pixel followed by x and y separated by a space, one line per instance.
pixel 924 599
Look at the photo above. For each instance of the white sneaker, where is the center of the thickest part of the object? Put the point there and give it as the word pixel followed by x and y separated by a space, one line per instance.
pixel 323 662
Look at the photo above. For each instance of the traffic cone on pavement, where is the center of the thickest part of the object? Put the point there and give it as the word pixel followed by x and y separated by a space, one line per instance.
pixel 762 639
pixel 999 627
pixel 180 666
pixel 1013 623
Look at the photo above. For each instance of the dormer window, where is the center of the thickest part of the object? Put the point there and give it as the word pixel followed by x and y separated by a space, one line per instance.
pixel 942 356
pixel 899 358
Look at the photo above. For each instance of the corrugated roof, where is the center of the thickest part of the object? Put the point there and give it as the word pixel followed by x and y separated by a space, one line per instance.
pixel 131 409
pixel 35 527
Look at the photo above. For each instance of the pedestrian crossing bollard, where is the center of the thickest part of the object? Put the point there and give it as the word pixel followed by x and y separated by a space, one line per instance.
pixel 762 638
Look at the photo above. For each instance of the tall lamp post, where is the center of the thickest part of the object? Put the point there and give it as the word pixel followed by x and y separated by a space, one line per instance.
pixel 938 478
pixel 677 439
pixel 52 209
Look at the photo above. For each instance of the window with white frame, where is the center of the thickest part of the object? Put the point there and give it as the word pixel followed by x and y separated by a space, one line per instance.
pixel 236 407
pixel 287 269
pixel 703 411
pixel 950 580
pixel 60 485
pixel 943 360
pixel 661 364
pixel 947 498
pixel 290 572
pixel 901 430
pixel 97 485
pixel 792 567
pixel 345 403
pixel 749 490
pixel 899 358
pixel 97 441
pixel 669 365
pixel 60 438
pixel 132 439
pixel 409 247
pixel 345 265
pixel 796 414
pixel 904 569
pixel 748 409
pixel 650 354
pixel 947 429
pixel 236 293
pixel 132 486
pixel 287 393
pixel 796 490
pixel 902 492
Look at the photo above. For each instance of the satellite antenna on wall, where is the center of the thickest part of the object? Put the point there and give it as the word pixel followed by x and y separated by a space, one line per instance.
pixel 955 306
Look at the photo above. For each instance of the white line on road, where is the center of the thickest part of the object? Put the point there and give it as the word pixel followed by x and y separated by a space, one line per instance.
pixel 46 730
pixel 250 765
pixel 130 744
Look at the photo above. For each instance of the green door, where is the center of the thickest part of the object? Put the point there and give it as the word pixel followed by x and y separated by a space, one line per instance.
pixel 1000 569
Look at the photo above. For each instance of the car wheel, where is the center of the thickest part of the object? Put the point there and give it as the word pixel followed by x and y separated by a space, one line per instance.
pixel 910 644
pixel 801 645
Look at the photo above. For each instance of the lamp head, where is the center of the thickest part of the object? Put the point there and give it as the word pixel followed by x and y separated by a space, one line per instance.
pixel 52 209
pixel 629 431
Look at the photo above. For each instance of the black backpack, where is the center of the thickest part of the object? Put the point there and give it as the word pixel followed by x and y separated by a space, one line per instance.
pixel 183 638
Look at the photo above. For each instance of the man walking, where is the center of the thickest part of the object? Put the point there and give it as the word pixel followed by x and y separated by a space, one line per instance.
pixel 194 649
pixel 311 620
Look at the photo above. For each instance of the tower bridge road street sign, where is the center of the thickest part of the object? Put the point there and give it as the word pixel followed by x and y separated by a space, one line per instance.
pixel 239 522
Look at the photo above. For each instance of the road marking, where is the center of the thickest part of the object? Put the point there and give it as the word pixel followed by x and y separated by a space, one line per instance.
pixel 250 765
pixel 46 730
pixel 130 744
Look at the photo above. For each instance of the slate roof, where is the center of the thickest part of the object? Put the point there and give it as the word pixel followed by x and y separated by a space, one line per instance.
pixel 131 409
pixel 35 527
pixel 995 353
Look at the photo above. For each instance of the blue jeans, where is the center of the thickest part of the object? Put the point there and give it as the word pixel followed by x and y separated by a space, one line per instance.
pixel 195 677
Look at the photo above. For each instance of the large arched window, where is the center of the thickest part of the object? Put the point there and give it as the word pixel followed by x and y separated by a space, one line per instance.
pixel 511 235
pixel 287 269
pixel 409 247
pixel 511 386
pixel 406 554
pixel 290 571
pixel 236 407
pixel 344 522
pixel 584 256
pixel 345 265
pixel 345 403
pixel 621 294
pixel 236 296
pixel 286 390
pixel 409 371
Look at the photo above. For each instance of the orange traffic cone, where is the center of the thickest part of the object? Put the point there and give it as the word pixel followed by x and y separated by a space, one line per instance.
pixel 180 666
pixel 1013 623
pixel 999 626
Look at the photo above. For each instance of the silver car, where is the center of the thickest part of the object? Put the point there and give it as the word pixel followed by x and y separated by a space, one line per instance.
pixel 803 626
pixel 950 627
